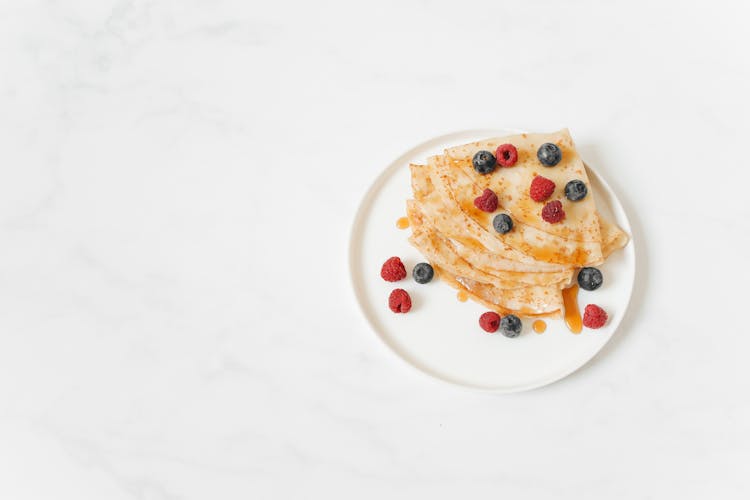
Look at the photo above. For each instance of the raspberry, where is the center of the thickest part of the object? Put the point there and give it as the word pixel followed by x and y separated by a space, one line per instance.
pixel 594 316
pixel 489 321
pixel 507 155
pixel 541 188
pixel 399 301
pixel 393 270
pixel 487 202
pixel 553 212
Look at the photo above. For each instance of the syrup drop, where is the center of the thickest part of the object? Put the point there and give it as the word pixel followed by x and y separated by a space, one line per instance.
pixel 539 326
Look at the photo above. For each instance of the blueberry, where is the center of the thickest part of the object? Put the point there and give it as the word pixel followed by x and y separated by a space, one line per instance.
pixel 590 278
pixel 484 162
pixel 423 273
pixel 575 190
pixel 502 223
pixel 510 325
pixel 549 154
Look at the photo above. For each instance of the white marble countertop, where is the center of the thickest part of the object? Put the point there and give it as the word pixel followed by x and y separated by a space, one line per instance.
pixel 177 182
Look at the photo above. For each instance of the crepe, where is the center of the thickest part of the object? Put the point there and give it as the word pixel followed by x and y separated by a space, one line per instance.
pixel 445 213
pixel 512 183
pixel 613 238
pixel 443 252
pixel 523 271
pixel 521 302
pixel 456 186
pixel 576 240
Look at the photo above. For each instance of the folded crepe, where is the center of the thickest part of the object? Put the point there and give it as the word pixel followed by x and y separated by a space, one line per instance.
pixel 522 271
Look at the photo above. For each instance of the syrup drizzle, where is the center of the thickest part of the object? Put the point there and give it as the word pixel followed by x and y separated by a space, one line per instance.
pixel 462 296
pixel 402 223
pixel 572 314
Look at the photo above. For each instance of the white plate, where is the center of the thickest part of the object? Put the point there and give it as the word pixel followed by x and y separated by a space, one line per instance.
pixel 440 335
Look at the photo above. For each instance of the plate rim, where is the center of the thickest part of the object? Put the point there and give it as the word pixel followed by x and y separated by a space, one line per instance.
pixel 355 229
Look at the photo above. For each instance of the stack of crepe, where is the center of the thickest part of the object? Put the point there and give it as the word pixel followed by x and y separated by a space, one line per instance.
pixel 524 271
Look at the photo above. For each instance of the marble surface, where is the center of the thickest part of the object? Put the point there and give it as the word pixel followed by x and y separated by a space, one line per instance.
pixel 177 183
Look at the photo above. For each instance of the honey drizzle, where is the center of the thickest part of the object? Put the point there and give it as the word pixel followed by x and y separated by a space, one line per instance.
pixel 402 223
pixel 572 314
pixel 539 326
pixel 462 296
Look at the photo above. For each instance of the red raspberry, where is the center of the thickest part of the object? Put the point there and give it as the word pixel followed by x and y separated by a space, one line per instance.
pixel 541 188
pixel 594 316
pixel 507 155
pixel 553 212
pixel 399 301
pixel 393 270
pixel 487 202
pixel 489 321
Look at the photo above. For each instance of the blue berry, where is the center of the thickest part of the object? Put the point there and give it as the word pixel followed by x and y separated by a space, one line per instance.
pixel 590 278
pixel 511 326
pixel 484 162
pixel 423 273
pixel 549 154
pixel 575 190
pixel 502 223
